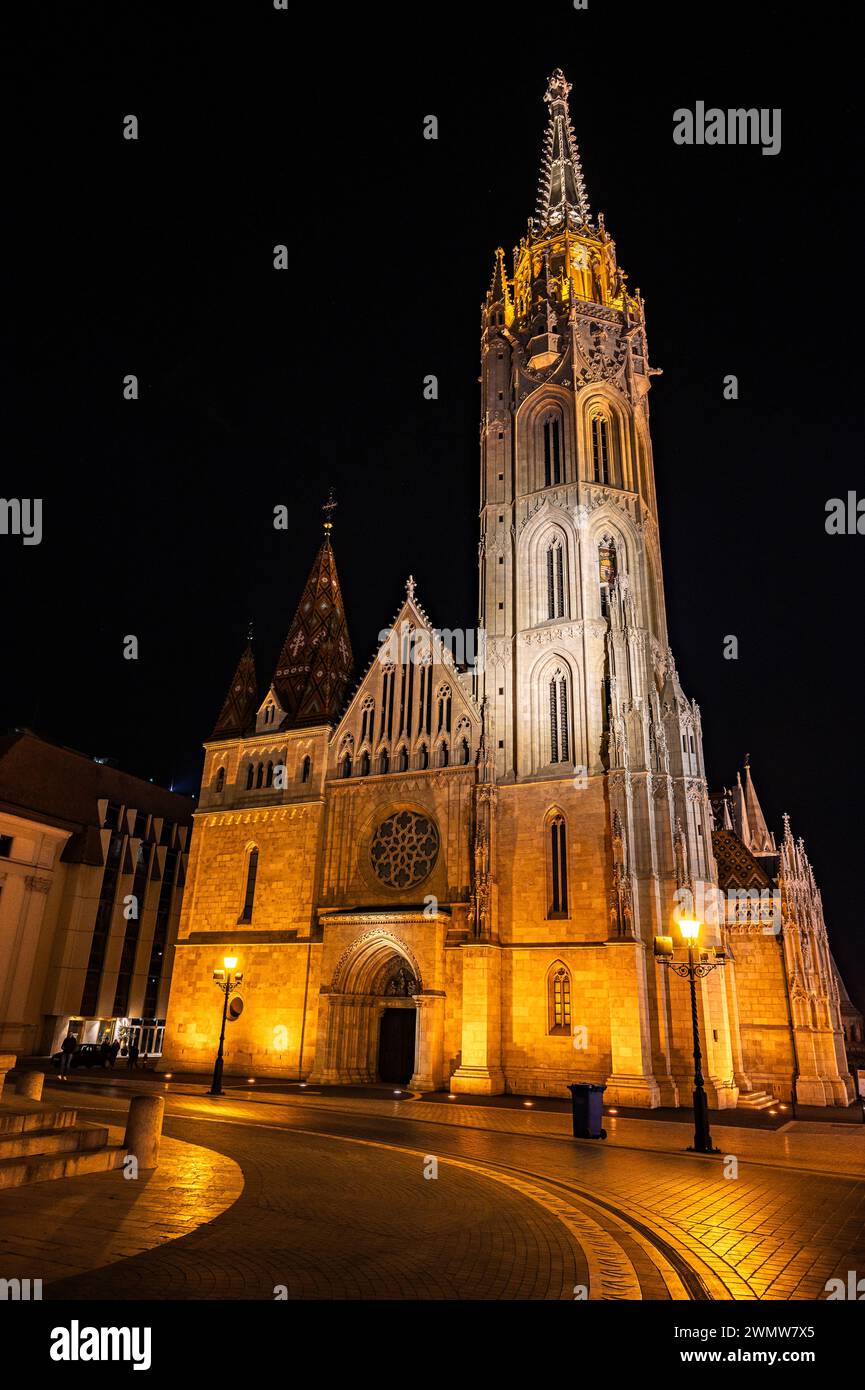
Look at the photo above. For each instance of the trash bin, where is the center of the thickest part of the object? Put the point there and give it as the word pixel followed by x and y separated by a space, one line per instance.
pixel 588 1103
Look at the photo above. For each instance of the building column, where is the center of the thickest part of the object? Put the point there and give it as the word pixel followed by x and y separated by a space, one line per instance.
pixel 480 1070
pixel 428 1072
pixel 740 1076
pixel 631 1081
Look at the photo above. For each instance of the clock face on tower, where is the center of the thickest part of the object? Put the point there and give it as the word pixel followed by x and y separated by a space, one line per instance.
pixel 404 849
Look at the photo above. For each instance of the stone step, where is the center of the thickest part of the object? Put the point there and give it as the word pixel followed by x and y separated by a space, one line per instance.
pixel 19 1172
pixel 50 1140
pixel 756 1100
pixel 23 1115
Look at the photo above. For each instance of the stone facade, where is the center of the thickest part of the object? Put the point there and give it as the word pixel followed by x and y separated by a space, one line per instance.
pixel 494 845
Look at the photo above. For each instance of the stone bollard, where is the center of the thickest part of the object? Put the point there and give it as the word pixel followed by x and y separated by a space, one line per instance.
pixel 144 1129
pixel 30 1084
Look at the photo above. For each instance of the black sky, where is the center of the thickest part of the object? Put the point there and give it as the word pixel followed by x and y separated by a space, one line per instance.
pixel 260 388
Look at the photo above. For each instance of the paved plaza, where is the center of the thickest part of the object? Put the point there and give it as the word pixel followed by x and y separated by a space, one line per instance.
pixel 335 1196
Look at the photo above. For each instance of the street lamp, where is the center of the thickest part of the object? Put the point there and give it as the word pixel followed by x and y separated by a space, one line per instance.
pixel 228 980
pixel 693 970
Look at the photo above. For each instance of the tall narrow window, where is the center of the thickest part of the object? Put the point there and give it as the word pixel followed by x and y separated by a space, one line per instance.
pixel 259 776
pixel 559 726
pixel 268 781
pixel 560 1000
pixel 367 721
pixel 555 580
pixel 444 709
pixel 552 451
pixel 364 763
pixel 220 779
pixel 345 765
pixel 250 776
pixel 464 752
pixel 305 769
pixel 600 449
pixel 402 759
pixel 249 896
pixel 423 757
pixel 558 869
pixel 383 761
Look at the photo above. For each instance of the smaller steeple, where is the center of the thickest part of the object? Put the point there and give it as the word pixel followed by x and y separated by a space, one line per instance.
pixel 760 841
pixel 314 666
pixel 237 716
pixel 562 197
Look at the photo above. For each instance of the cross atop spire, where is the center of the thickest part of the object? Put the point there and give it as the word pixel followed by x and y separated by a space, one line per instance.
pixel 329 508
pixel 562 197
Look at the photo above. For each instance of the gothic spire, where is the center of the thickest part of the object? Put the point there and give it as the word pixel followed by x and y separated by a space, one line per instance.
pixel 562 196
pixel 314 666
pixel 238 711
pixel 761 842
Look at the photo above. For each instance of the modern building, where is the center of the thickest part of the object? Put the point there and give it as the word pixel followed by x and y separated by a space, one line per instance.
pixel 454 875
pixel 92 866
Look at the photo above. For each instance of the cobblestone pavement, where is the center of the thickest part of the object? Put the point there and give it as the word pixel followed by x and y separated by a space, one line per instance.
pixel 335 1204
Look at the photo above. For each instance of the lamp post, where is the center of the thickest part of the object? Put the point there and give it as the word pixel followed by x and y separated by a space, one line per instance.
pixel 228 984
pixel 693 970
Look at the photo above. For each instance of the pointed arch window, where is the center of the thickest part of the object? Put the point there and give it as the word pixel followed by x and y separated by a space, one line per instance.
pixel 259 775
pixel 444 709
pixel 402 759
pixel 560 741
pixel 600 449
pixel 383 761
pixel 443 754
pixel 367 721
pixel 250 777
pixel 364 763
pixel 555 579
pixel 268 781
pixel 345 765
pixel 559 1000
pixel 423 757
pixel 220 779
pixel 249 894
pixel 464 752
pixel 552 449
pixel 558 867
pixel 306 769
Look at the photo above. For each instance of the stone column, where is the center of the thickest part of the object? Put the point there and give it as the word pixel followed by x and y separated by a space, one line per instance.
pixel 631 1081
pixel 480 1070
pixel 740 1076
pixel 428 1072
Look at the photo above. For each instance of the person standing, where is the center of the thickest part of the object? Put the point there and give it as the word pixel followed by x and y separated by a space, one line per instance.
pixel 115 1048
pixel 105 1052
pixel 68 1047
pixel 133 1056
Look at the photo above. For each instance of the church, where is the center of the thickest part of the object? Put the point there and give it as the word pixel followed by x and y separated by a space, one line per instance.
pixel 451 875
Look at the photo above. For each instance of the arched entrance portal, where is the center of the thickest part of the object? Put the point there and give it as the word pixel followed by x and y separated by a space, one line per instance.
pixel 376 1022
pixel 397 1035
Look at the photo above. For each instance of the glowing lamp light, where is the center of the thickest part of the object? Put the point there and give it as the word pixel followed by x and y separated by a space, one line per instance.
pixel 251 1080
pixel 168 1075
pixel 689 928
pixel 229 962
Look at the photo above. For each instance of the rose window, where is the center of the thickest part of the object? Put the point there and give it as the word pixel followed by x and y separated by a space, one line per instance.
pixel 404 849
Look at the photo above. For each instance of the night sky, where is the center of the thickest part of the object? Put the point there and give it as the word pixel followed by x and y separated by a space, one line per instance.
pixel 260 387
